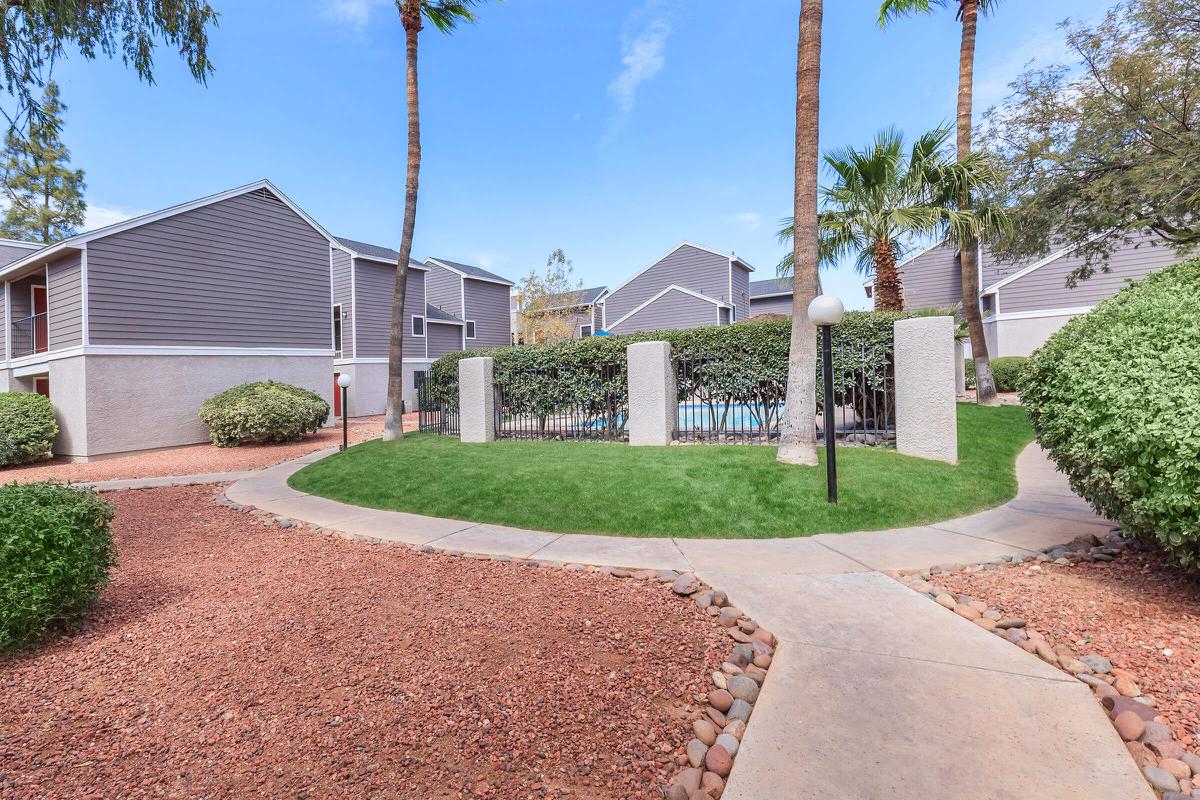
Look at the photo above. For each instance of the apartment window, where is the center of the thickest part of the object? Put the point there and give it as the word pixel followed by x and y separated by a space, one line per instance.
pixel 585 331
pixel 470 329
pixel 337 329
pixel 988 306
pixel 418 326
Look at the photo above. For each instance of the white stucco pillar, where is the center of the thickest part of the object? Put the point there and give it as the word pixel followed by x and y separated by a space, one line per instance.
pixel 960 369
pixel 476 401
pixel 652 394
pixel 926 421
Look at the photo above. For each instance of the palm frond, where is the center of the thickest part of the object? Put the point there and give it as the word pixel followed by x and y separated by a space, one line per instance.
pixel 891 10
pixel 445 15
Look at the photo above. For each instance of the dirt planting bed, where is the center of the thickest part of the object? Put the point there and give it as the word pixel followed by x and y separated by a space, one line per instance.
pixel 230 658
pixel 196 459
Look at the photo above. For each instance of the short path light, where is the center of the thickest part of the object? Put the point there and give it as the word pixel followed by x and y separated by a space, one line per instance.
pixel 826 311
pixel 344 381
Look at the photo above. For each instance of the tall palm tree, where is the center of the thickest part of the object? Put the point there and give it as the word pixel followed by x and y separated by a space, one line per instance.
pixel 445 16
pixel 883 195
pixel 968 12
pixel 798 433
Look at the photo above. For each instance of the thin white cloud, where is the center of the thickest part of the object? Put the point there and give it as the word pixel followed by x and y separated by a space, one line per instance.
pixel 487 260
pixel 643 54
pixel 1039 49
pixel 352 14
pixel 100 216
pixel 750 220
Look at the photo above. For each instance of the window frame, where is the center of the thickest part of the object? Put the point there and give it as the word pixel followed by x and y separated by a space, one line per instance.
pixel 338 325
pixel 591 330
pixel 412 326
pixel 469 330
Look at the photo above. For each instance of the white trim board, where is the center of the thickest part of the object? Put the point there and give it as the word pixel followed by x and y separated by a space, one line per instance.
pixel 1073 311
pixel 342 362
pixel 754 297
pixel 164 350
pixel 675 288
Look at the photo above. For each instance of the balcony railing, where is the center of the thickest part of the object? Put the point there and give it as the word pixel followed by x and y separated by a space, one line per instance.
pixel 30 335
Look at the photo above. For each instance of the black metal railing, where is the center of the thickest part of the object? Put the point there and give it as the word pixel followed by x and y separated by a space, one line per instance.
pixel 721 402
pixel 437 405
pixel 30 335
pixel 561 403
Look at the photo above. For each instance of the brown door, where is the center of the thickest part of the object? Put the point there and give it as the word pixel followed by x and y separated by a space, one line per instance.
pixel 41 330
pixel 337 395
pixel 42 387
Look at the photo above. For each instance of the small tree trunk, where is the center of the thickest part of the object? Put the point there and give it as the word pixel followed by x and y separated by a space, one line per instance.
pixel 798 428
pixel 985 387
pixel 393 421
pixel 889 293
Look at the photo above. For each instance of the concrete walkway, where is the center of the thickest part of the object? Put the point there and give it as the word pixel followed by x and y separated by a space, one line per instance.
pixel 875 692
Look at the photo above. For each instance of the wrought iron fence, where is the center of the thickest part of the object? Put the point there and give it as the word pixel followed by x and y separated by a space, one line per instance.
pixel 722 402
pixel 437 405
pixel 560 402
pixel 30 335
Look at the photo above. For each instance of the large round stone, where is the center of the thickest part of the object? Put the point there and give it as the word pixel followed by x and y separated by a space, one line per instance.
pixel 739 710
pixel 686 584
pixel 718 760
pixel 742 687
pixel 721 699
pixel 696 750
pixel 731 743
pixel 707 732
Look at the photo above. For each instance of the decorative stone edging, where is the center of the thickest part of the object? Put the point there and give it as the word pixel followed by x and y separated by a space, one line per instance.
pixel 708 757
pixel 1167 766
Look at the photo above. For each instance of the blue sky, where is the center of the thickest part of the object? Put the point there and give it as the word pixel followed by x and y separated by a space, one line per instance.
pixel 612 129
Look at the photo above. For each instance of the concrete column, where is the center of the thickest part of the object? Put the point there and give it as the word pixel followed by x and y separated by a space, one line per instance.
pixel 653 394
pixel 960 368
pixel 476 401
pixel 926 422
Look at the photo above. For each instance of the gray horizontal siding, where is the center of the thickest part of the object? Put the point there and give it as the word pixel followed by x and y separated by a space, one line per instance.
pixel 10 253
pixel 687 266
pixel 443 339
pixel 672 311
pixel 342 267
pixel 741 292
pixel 1046 287
pixel 445 289
pixel 64 302
pixel 933 279
pixel 488 306
pixel 242 272
pixel 3 323
pixel 771 305
pixel 374 286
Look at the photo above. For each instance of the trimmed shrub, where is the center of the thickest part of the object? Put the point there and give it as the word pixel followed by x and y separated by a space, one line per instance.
pixel 1114 396
pixel 266 411
pixel 55 556
pixel 1006 372
pixel 27 427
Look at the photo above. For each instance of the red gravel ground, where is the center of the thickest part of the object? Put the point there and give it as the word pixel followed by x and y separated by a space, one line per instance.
pixel 233 659
pixel 196 459
pixel 1131 611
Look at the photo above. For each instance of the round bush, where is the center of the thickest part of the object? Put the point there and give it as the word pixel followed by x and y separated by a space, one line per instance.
pixel 1006 372
pixel 55 556
pixel 263 412
pixel 1114 396
pixel 27 427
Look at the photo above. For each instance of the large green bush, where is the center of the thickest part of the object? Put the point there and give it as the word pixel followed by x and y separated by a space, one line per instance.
pixel 55 556
pixel 263 412
pixel 742 363
pixel 27 427
pixel 1006 372
pixel 1114 396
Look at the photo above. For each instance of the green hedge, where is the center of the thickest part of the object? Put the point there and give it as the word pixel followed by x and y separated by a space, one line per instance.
pixel 744 362
pixel 1114 396
pixel 55 556
pixel 27 427
pixel 263 412
pixel 1006 372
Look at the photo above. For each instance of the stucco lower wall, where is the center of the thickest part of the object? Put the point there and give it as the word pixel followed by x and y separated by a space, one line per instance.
pixel 1020 337
pixel 112 404
pixel 368 392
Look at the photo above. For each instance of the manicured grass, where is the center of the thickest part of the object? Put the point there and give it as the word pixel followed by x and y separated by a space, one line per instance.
pixel 689 491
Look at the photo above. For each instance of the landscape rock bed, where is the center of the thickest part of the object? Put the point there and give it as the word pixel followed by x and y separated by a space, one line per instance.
pixel 1117 618
pixel 235 657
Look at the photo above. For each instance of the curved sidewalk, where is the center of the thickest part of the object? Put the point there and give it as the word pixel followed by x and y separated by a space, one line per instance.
pixel 875 692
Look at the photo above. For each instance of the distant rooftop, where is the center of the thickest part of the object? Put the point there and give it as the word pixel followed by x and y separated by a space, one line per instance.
pixel 472 271
pixel 435 314
pixel 770 286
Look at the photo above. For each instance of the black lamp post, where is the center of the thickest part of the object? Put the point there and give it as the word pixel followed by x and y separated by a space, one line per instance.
pixel 344 380
pixel 826 311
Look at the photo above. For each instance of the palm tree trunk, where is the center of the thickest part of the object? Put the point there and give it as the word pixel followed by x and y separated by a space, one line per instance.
pixel 985 386
pixel 393 423
pixel 798 434
pixel 889 293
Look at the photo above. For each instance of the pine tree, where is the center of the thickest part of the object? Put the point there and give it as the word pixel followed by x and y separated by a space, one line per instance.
pixel 45 196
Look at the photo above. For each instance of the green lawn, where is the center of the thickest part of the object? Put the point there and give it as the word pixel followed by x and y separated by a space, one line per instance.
pixel 689 491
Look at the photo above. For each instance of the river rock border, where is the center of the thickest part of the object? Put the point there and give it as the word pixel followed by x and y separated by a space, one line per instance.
pixel 1171 770
pixel 707 759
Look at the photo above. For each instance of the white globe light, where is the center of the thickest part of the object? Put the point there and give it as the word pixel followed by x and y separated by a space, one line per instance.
pixel 344 380
pixel 826 309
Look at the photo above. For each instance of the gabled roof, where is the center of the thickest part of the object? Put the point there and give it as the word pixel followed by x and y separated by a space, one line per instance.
pixel 469 271
pixel 582 297
pixel 73 242
pixel 435 314
pixel 1055 256
pixel 374 252
pixel 674 287
pixel 732 260
pixel 771 287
